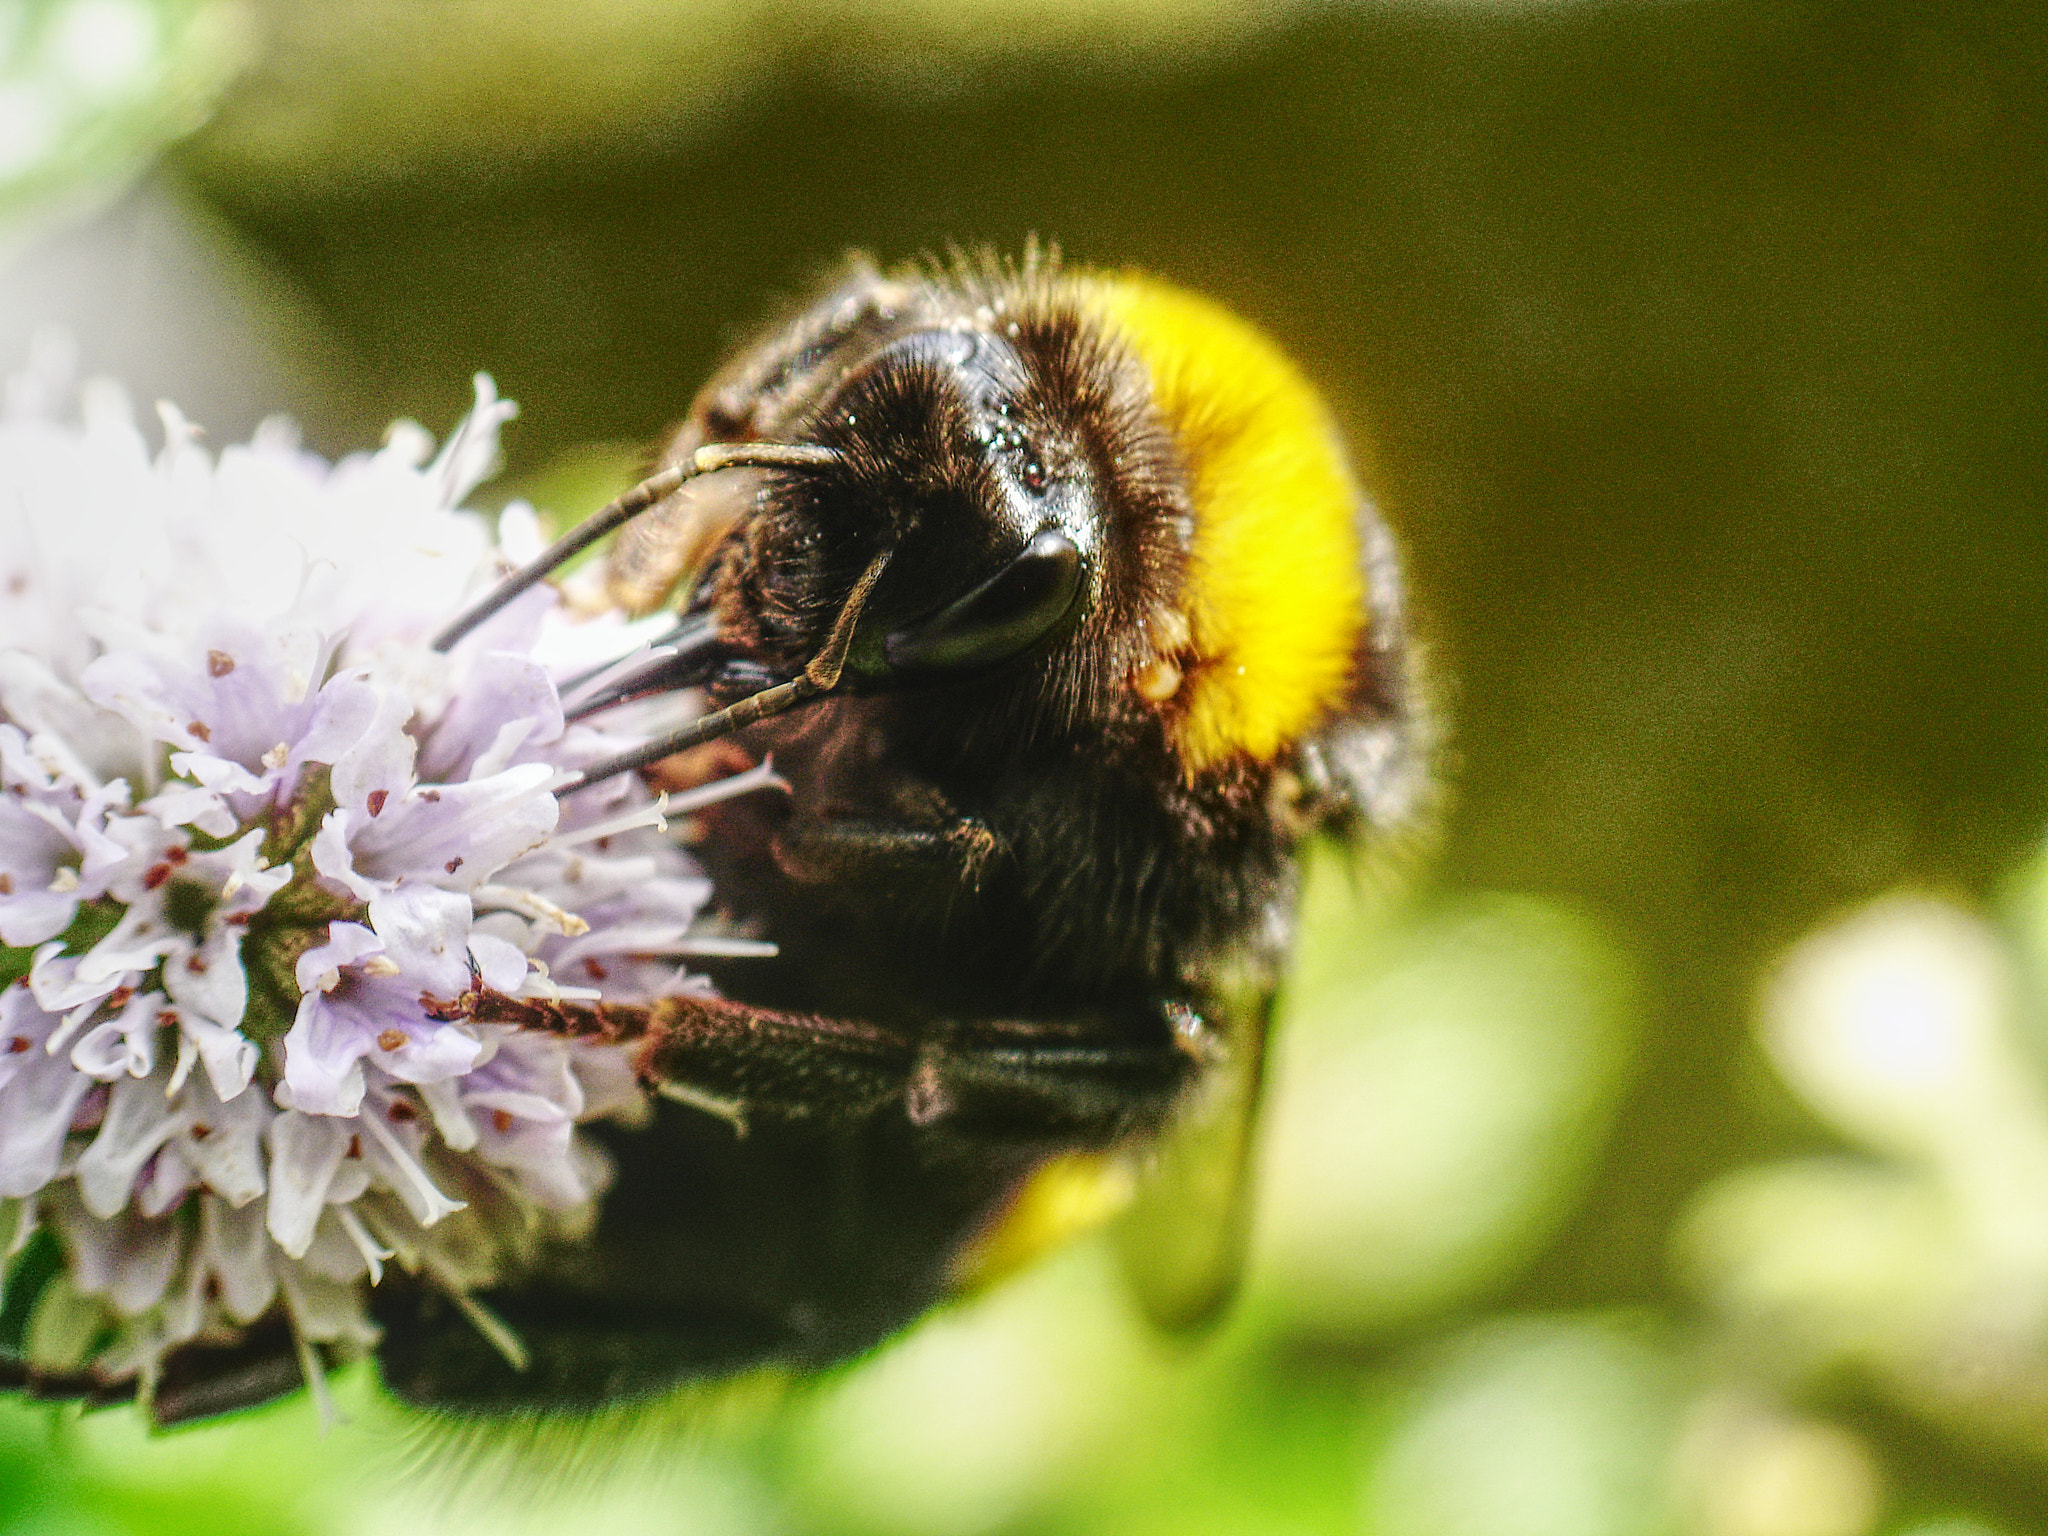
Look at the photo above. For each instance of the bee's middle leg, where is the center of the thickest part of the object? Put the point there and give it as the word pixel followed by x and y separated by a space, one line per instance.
pixel 1065 1083
pixel 1073 1084
pixel 1068 1084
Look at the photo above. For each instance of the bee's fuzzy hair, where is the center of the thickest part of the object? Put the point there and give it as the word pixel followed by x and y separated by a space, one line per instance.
pixel 446 1458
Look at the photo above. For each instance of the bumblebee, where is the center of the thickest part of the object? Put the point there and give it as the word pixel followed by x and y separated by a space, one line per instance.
pixel 1053 597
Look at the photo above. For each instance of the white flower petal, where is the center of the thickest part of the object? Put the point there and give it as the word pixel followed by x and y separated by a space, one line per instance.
pixel 223 1142
pixel 333 858
pixel 505 702
pixel 234 1251
pixel 425 932
pixel 228 1055
pixel 501 966
pixel 142 938
pixel 343 713
pixel 192 806
pixel 305 1154
pixel 129 1260
pixel 208 982
pixel 166 1180
pixel 323 1055
pixel 138 1121
pixel 398 1163
pixel 444 1102
pixel 459 834
pixel 39 1095
pixel 376 770
pixel 125 1045
pixel 320 968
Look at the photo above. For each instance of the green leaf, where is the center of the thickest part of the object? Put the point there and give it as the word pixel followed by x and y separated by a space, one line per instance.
pixel 33 1269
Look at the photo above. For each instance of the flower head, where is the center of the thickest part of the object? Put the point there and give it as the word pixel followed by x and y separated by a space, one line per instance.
pixel 260 847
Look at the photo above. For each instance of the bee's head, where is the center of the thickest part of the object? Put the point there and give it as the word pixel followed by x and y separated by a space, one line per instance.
pixel 989 473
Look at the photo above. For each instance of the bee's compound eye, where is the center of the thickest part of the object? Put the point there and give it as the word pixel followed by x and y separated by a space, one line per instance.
pixel 1010 612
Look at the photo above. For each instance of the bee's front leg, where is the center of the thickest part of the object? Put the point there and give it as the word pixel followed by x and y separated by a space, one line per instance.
pixel 918 838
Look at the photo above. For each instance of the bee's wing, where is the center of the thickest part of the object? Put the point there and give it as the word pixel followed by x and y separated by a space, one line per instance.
pixel 1183 1239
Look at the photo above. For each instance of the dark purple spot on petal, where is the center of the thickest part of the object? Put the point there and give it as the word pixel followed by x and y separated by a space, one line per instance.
pixel 17 1045
pixel 431 796
pixel 155 876
pixel 92 1109
pixel 402 1113
pixel 177 855
pixel 200 1131
pixel 377 799
pixel 453 864
pixel 501 1121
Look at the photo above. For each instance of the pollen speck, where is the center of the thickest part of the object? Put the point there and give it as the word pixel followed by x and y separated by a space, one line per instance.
pixel 1158 681
pixel 390 1039
pixel 501 1121
pixel 201 730
pixel 376 799
pixel 219 663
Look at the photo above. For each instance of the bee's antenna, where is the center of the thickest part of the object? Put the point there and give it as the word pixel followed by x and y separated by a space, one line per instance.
pixel 820 677
pixel 683 658
pixel 707 460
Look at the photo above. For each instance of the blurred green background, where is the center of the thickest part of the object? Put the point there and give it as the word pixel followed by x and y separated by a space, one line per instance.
pixel 1668 1152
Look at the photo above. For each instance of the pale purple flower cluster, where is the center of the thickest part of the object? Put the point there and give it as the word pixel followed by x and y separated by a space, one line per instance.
pixel 257 845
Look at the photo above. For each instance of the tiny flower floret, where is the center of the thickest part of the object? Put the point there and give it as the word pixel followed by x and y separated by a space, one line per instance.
pixel 381 991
